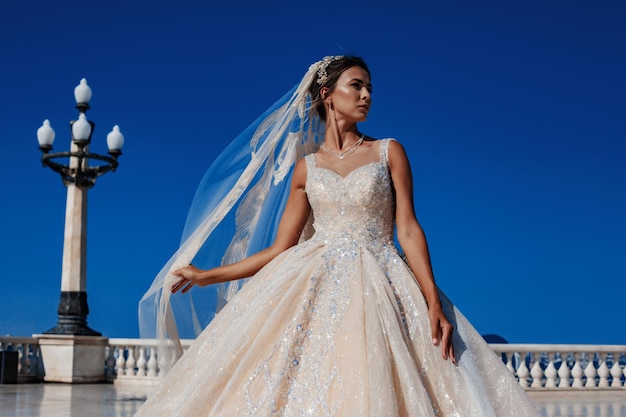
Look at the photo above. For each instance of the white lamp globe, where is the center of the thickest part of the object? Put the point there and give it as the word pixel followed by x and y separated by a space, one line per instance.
pixel 82 92
pixel 45 134
pixel 81 129
pixel 115 139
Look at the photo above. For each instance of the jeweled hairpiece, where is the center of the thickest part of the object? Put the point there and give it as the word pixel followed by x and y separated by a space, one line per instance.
pixel 322 76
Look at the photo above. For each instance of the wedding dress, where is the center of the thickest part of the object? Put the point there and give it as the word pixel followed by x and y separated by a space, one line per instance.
pixel 337 326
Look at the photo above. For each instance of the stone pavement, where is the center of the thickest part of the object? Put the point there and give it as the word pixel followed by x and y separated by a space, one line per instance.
pixel 67 400
pixel 108 400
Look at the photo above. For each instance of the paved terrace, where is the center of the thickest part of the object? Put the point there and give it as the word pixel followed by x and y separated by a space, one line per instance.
pixel 109 400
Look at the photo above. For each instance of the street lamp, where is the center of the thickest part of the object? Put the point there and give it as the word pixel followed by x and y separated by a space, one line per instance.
pixel 78 175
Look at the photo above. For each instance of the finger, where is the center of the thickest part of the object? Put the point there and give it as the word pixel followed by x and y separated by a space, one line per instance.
pixel 446 344
pixel 451 352
pixel 178 285
pixel 452 355
pixel 188 287
pixel 435 332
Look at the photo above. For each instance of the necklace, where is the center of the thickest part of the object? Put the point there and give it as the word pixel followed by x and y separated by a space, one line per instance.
pixel 350 150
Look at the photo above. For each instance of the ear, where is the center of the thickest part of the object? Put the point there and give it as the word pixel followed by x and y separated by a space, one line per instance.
pixel 324 93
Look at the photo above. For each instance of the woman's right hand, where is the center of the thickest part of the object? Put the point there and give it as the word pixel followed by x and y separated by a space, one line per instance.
pixel 188 277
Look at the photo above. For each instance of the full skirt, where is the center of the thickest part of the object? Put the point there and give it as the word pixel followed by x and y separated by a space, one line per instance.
pixel 319 332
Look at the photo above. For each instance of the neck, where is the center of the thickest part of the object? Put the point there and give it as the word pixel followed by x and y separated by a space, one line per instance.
pixel 338 139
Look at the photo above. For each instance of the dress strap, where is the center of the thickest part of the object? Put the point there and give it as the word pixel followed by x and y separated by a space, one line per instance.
pixel 384 151
pixel 310 161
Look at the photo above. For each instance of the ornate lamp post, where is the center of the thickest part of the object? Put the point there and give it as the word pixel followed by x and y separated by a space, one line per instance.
pixel 78 176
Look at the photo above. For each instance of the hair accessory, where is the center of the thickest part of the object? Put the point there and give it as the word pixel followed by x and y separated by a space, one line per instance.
pixel 322 76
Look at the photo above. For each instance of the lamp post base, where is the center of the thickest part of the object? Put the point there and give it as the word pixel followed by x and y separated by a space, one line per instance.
pixel 73 311
pixel 73 359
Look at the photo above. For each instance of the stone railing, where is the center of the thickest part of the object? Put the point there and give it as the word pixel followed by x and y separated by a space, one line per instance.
pixel 544 367
pixel 29 363
pixel 134 361
pixel 536 367
pixel 565 367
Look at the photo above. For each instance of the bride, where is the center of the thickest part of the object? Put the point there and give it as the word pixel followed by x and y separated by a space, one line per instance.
pixel 334 321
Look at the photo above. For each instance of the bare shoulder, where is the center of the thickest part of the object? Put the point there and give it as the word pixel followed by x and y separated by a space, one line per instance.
pixel 299 174
pixel 395 145
pixel 396 154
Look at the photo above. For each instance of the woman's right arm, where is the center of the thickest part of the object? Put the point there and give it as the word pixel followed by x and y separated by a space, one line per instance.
pixel 289 229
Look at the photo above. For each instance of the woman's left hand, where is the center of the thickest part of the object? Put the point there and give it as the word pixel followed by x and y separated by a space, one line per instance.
pixel 442 332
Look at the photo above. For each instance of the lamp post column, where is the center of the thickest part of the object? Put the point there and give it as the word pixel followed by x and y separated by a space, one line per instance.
pixel 73 308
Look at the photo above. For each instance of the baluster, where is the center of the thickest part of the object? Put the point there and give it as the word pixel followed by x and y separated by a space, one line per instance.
pixel 39 371
pixel 120 363
pixel 28 365
pixel 141 362
pixel 110 362
pixel 22 367
pixel 616 372
pixel 536 372
pixel 22 362
pixel 509 363
pixel 603 371
pixel 550 371
pixel 152 363
pixel 563 372
pixel 33 360
pixel 577 371
pixel 130 362
pixel 590 371
pixel 522 371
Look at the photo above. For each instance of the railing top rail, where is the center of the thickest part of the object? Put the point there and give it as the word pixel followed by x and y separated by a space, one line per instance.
pixel 142 342
pixel 523 347
pixel 18 340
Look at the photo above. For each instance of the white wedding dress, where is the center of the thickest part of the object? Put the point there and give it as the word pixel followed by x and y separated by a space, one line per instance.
pixel 337 326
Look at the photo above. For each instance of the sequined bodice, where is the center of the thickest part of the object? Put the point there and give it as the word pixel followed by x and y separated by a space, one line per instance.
pixel 357 207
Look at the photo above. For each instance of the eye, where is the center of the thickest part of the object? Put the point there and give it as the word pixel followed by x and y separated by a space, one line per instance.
pixel 358 85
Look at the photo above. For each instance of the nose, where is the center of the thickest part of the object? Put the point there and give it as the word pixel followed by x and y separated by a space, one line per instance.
pixel 365 93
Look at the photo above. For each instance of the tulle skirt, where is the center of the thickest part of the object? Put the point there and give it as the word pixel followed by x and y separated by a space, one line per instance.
pixel 319 332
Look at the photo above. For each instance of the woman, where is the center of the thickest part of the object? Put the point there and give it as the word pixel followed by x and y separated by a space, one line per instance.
pixel 340 324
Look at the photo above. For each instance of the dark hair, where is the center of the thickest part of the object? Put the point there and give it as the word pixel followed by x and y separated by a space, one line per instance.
pixel 334 69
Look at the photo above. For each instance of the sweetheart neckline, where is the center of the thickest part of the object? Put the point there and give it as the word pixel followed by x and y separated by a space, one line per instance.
pixel 349 173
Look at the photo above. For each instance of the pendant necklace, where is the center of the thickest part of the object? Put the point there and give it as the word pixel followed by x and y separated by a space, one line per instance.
pixel 350 150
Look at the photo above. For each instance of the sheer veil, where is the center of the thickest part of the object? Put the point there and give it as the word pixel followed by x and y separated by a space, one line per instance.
pixel 234 213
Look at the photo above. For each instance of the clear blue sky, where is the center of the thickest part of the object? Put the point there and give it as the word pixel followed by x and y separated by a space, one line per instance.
pixel 513 115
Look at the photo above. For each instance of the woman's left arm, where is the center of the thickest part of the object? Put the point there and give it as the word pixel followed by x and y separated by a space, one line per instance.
pixel 413 242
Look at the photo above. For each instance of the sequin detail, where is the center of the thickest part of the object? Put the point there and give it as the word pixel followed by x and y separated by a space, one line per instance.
pixel 337 326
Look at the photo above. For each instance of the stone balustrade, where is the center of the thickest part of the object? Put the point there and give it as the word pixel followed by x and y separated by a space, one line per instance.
pixel 29 365
pixel 134 361
pixel 565 367
pixel 536 367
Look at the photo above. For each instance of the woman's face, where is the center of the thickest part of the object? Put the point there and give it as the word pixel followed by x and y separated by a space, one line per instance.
pixel 351 98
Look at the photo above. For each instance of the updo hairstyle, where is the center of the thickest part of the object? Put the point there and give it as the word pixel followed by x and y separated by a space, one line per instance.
pixel 334 69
